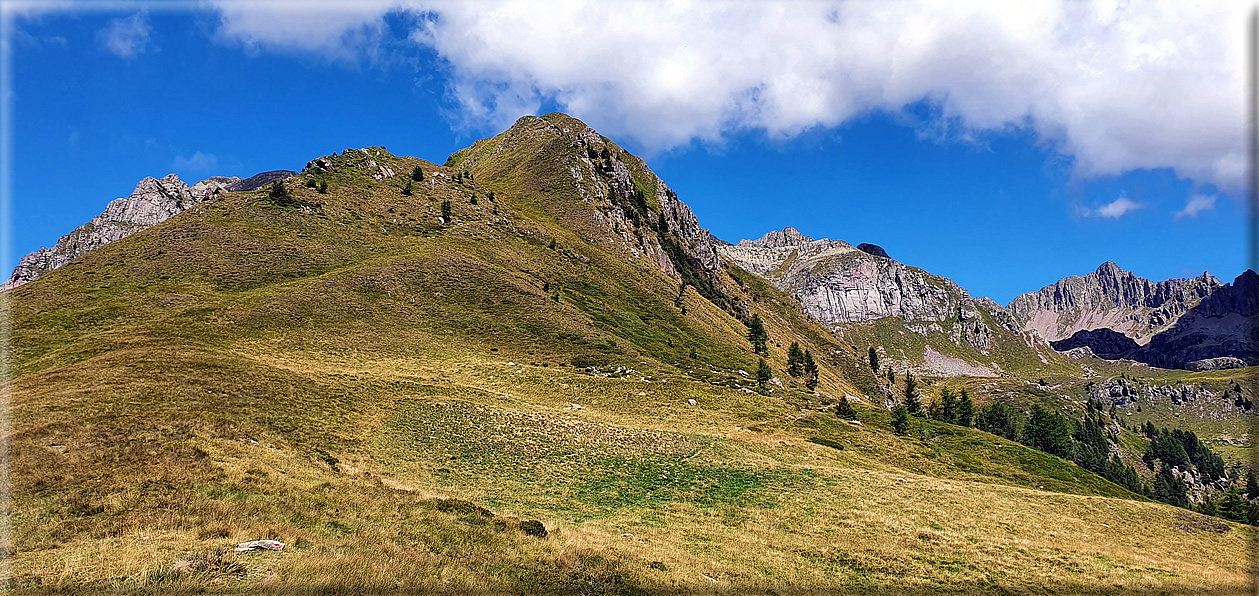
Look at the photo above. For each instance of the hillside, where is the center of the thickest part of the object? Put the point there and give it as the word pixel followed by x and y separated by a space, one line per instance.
pixel 393 366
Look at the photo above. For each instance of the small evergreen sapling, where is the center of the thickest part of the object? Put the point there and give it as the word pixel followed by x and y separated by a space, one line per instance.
pixel 446 211
pixel 900 419
pixel 912 405
pixel 844 409
pixel 874 360
pixel 407 190
pixel 763 372
pixel 417 174
pixel 795 360
pixel 758 336
pixel 811 372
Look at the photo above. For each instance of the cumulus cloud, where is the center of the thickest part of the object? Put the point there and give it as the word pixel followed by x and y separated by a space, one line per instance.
pixel 126 37
pixel 1115 209
pixel 1118 86
pixel 1197 204
pixel 199 162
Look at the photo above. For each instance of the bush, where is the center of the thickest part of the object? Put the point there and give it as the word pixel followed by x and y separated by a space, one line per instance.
pixel 462 507
pixel 407 190
pixel 533 527
pixel 323 187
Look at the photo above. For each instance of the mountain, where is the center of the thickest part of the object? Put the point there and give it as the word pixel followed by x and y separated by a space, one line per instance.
pixel 152 202
pixel 527 369
pixel 1197 323
pixel 1221 331
pixel 1109 298
pixel 845 286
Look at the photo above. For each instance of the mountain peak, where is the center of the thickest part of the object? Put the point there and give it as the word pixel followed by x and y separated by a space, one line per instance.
pixel 789 236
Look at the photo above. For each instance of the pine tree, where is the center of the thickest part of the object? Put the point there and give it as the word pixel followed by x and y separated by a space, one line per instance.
pixel 947 410
pixel 279 195
pixel 323 187
pixel 763 372
pixel 844 409
pixel 965 410
pixel 758 336
pixel 407 190
pixel 811 372
pixel 900 419
pixel 912 405
pixel 795 360
pixel 891 376
pixel 417 174
pixel 1233 507
pixel 1252 485
pixel 446 211
pixel 874 360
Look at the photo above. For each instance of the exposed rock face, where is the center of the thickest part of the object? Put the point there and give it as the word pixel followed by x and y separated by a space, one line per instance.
pixel 1224 325
pixel 837 283
pixel 1126 392
pixel 1104 343
pixel 260 180
pixel 152 202
pixel 1109 298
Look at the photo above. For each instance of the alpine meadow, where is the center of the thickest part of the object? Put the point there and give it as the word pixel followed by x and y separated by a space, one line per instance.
pixel 628 298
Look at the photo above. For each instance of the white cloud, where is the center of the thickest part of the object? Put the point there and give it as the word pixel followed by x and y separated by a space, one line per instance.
pixel 1197 204
pixel 126 37
pixel 1115 209
pixel 1116 85
pixel 199 162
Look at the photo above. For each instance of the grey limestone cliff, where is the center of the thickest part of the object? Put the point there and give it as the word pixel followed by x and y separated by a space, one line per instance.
pixel 837 283
pixel 153 201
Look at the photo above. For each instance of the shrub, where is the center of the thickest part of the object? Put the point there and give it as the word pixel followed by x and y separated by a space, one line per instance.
pixel 462 507
pixel 417 174
pixel 533 527
pixel 323 187
pixel 407 190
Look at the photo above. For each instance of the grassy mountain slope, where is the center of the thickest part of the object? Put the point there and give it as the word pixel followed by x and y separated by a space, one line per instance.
pixel 393 395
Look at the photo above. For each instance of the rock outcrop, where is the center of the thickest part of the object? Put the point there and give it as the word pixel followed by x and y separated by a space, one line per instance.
pixel 838 283
pixel 153 201
pixel 1109 298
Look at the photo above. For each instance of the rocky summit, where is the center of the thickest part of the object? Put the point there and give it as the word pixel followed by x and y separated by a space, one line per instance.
pixel 153 201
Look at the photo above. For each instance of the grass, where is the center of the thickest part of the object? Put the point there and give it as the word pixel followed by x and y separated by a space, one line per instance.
pixel 397 399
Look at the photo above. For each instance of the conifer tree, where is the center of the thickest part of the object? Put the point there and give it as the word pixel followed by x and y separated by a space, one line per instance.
pixel 912 405
pixel 900 419
pixel 811 372
pixel 891 376
pixel 417 174
pixel 1252 485
pixel 446 211
pixel 965 410
pixel 946 409
pixel 795 360
pixel 758 336
pixel 407 190
pixel 763 372
pixel 844 409
pixel 874 360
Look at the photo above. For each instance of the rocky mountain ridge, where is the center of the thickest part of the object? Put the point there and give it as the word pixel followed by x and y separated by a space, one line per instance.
pixel 1109 298
pixel 152 202
pixel 839 284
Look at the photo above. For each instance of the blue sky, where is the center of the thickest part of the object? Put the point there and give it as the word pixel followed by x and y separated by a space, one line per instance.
pixel 990 160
